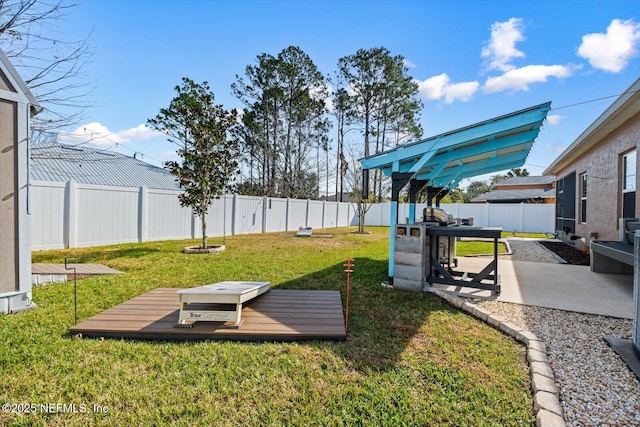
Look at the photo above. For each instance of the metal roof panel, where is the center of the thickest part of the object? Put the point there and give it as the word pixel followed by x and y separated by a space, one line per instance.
pixel 496 144
pixel 61 163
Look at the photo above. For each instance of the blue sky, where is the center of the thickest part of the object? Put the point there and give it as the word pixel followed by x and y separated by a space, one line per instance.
pixel 473 60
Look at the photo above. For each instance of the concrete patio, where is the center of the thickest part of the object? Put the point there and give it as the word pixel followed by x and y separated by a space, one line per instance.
pixel 559 286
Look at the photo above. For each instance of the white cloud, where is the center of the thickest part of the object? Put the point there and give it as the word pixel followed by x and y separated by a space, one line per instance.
pixel 408 63
pixel 500 49
pixel 554 119
pixel 95 133
pixel 433 87
pixel 170 154
pixel 140 132
pixel 440 87
pixel 460 91
pixel 611 51
pixel 520 78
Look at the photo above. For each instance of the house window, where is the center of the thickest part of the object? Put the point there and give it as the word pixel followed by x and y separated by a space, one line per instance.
pixel 583 198
pixel 629 185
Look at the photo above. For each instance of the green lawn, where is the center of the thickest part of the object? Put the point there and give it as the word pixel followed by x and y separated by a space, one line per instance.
pixel 410 359
pixel 474 247
pixel 506 234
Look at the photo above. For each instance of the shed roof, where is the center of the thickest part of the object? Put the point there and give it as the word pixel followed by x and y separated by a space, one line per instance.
pixel 13 74
pixel 61 163
pixel 443 160
pixel 623 108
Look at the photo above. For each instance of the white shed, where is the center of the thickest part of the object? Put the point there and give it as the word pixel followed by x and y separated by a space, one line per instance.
pixel 17 106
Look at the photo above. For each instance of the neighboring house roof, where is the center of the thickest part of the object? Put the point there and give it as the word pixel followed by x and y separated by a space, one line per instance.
pixel 520 194
pixel 526 180
pixel 549 194
pixel 625 107
pixel 17 81
pixel 61 163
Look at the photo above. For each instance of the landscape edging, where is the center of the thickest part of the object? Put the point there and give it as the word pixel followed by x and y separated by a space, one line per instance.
pixel 546 402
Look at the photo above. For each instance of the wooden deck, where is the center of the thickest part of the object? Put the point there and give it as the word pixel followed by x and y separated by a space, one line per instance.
pixel 277 315
pixel 81 269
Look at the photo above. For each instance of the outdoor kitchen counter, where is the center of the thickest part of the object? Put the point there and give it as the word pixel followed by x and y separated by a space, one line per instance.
pixel 465 231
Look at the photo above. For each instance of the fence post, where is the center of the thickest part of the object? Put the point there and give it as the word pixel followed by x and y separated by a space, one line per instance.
pixel 324 209
pixel 286 215
pixel 71 214
pixel 306 214
pixel 521 217
pixel 234 200
pixel 143 214
pixel 265 200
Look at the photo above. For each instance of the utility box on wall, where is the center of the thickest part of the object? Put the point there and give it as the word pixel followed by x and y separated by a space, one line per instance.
pixel 17 105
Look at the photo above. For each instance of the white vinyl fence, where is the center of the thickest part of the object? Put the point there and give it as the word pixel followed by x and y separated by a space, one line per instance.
pixel 525 217
pixel 68 215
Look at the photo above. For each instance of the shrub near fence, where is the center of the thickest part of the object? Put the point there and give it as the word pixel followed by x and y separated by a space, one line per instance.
pixel 69 214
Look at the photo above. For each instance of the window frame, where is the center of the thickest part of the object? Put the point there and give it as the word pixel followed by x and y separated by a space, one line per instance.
pixel 628 187
pixel 583 197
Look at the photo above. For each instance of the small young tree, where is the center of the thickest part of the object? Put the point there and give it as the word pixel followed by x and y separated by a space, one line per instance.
pixel 361 202
pixel 208 151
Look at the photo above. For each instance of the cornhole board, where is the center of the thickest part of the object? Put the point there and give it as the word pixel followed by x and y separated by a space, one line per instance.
pixel 200 304
pixel 304 232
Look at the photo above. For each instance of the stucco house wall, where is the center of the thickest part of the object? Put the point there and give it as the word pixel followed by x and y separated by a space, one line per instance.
pixel 603 166
pixel 599 153
pixel 17 104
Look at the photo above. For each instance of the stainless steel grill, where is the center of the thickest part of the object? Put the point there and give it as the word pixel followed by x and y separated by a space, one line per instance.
pixel 437 216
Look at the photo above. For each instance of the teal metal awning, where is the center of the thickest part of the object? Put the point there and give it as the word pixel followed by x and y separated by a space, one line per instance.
pixel 444 160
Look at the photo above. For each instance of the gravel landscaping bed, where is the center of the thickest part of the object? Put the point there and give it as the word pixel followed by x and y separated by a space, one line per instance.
pixel 595 387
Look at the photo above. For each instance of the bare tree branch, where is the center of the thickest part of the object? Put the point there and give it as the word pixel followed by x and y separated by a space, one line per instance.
pixel 51 65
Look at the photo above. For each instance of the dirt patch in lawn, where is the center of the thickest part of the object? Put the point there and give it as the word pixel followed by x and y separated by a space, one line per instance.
pixel 567 252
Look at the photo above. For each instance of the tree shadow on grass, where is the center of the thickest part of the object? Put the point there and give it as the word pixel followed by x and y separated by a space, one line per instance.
pixel 382 321
pixel 96 255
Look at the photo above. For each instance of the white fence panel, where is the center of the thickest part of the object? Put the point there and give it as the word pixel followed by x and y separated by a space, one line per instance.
pixel 316 214
pixel 248 215
pixel 104 215
pixel 219 218
pixel 540 218
pixel 276 215
pixel 297 214
pixel 166 218
pixel 377 214
pixel 47 207
pixel 510 216
pixel 72 215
